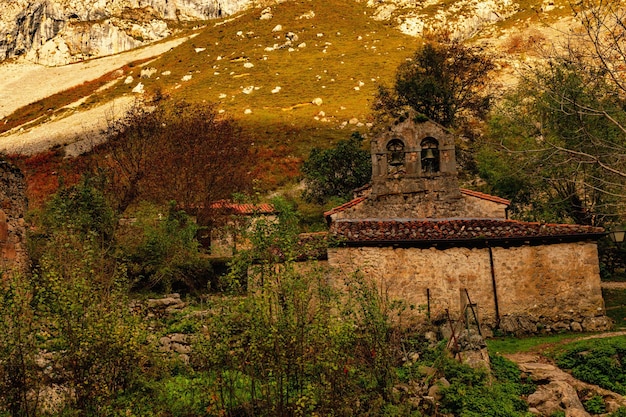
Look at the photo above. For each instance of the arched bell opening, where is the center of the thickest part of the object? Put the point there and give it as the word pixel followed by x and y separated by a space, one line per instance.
pixel 430 156
pixel 396 157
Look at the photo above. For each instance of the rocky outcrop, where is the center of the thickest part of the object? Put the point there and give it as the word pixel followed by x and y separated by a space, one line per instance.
pixel 58 32
pixel 462 18
pixel 559 392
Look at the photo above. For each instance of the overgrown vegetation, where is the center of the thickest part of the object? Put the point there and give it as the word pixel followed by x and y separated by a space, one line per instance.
pixel 598 361
pixel 279 339
pixel 336 172
pixel 284 342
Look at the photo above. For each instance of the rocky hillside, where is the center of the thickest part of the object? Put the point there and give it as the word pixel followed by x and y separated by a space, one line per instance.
pixel 59 32
pixel 295 74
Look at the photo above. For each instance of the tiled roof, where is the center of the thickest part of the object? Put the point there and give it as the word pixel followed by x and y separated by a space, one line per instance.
pixel 442 230
pixel 344 206
pixel 484 196
pixel 236 208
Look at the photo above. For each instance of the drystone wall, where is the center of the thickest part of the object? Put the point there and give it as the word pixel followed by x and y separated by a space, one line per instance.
pixel 532 289
pixel 13 205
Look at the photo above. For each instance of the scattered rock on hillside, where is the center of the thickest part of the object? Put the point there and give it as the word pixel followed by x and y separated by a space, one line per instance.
pixel 147 72
pixel 266 14
pixel 308 15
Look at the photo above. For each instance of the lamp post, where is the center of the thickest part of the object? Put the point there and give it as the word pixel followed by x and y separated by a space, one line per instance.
pixel 617 235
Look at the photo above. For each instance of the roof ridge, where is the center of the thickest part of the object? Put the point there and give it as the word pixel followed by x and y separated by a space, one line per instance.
pixel 485 196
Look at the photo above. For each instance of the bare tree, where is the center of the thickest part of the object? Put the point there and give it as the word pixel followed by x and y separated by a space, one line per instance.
pixel 175 151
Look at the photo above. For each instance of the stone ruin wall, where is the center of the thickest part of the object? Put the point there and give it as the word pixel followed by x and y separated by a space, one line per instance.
pixel 13 206
pixel 539 288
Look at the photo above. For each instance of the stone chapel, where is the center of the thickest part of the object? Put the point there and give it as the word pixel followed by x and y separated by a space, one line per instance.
pixel 438 247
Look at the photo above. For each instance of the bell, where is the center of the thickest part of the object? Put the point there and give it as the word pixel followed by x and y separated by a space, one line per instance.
pixel 396 159
pixel 429 154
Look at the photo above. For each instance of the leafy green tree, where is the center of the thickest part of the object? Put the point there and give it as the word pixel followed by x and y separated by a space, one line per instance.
pixel 557 146
pixel 441 82
pixel 80 299
pixel 559 139
pixel 337 171
pixel 82 208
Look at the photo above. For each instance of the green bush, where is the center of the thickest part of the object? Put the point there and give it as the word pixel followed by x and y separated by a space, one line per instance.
pixel 595 405
pixel 472 394
pixel 161 251
pixel 19 376
pixel 600 362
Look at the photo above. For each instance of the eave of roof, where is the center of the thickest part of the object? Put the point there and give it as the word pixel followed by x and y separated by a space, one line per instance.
pixel 484 196
pixel 344 206
pixel 473 232
pixel 465 191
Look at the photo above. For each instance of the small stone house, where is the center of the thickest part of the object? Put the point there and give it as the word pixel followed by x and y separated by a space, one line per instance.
pixel 224 221
pixel 439 247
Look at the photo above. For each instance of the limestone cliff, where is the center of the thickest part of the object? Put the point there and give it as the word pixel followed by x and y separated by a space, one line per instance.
pixel 58 32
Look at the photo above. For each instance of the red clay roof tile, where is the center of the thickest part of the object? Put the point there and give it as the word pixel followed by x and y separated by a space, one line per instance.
pixel 344 206
pixel 484 196
pixel 424 230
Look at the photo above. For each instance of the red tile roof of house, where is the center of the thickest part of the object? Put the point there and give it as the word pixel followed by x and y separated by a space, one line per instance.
pixel 243 209
pixel 441 230
pixel 484 196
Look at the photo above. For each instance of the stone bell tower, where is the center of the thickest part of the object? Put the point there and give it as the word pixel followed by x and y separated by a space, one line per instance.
pixel 414 158
pixel 414 177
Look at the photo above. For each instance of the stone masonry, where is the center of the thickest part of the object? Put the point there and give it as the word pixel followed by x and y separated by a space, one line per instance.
pixel 13 205
pixel 429 243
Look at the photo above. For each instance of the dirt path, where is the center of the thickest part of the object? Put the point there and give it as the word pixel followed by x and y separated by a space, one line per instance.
pixel 24 83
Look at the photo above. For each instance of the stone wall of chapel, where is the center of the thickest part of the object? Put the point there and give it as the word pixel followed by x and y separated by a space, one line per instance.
pixel 424 205
pixel 475 207
pixel 539 288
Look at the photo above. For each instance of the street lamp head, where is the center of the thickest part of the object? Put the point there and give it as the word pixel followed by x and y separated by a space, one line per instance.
pixel 617 235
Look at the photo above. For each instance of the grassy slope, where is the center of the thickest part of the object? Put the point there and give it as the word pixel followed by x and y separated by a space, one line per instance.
pixel 329 67
pixel 353 51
